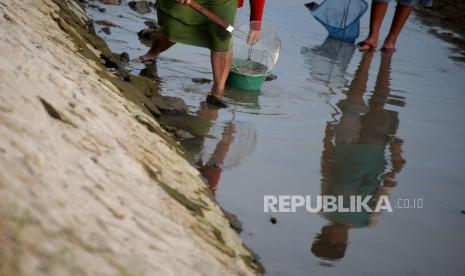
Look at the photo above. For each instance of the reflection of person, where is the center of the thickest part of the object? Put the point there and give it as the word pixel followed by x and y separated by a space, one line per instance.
pixel 237 139
pixel 378 11
pixel 181 23
pixel 328 62
pixel 212 169
pixel 353 161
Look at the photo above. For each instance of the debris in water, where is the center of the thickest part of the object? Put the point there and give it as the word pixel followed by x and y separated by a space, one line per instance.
pixel 106 30
pixel 271 77
pixel 201 80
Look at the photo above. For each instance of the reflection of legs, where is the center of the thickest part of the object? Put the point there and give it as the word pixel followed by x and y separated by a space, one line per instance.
pixel 358 85
pixel 398 22
pixel 378 11
pixel 221 64
pixel 222 148
pixel 382 85
pixel 211 171
pixel 159 44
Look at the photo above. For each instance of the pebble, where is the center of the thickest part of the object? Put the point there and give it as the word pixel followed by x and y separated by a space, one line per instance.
pixel 151 24
pixel 271 77
pixel 170 105
pixel 141 7
pixel 106 30
pixel 273 220
pixel 201 80
pixel 124 57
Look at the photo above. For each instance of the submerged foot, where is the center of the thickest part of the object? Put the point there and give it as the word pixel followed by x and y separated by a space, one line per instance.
pixel 216 101
pixel 389 46
pixel 147 59
pixel 368 44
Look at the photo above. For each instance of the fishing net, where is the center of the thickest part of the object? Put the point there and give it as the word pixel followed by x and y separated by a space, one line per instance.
pixel 241 140
pixel 258 58
pixel 341 18
pixel 329 61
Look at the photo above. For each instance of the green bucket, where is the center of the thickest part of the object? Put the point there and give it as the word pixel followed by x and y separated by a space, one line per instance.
pixel 247 75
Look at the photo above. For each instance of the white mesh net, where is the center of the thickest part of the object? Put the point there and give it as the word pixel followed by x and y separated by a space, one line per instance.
pixel 257 58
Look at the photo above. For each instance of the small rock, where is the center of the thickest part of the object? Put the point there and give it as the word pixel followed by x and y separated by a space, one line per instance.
pixel 151 24
pixel 106 30
pixel 201 80
pixel 141 7
pixel 170 105
pixel 183 135
pixel 273 220
pixel 110 62
pixel 147 34
pixel 271 77
pixel 124 57
pixel 463 212
pixel 105 22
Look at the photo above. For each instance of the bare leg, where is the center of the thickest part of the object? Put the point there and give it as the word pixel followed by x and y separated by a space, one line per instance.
pixel 398 22
pixel 378 11
pixel 221 65
pixel 159 44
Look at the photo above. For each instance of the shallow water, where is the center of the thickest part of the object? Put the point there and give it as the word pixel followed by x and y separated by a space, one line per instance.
pixel 335 121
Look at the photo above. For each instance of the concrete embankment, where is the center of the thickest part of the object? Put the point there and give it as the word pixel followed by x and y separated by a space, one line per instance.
pixel 89 182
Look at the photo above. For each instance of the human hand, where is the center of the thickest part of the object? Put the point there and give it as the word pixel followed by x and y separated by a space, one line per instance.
pixel 184 2
pixel 253 37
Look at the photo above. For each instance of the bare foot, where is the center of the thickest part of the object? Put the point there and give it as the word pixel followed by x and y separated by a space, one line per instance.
pixel 148 58
pixel 368 44
pixel 389 45
pixel 216 100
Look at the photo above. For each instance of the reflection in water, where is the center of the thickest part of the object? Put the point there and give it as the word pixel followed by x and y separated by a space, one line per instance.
pixel 353 160
pixel 212 155
pixel 328 62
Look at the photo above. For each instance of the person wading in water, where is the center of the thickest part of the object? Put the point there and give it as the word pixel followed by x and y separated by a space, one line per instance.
pixel 180 23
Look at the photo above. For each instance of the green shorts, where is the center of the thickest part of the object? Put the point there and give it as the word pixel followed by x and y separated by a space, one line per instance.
pixel 183 24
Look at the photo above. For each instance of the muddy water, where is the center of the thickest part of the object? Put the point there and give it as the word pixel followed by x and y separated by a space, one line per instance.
pixel 336 121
